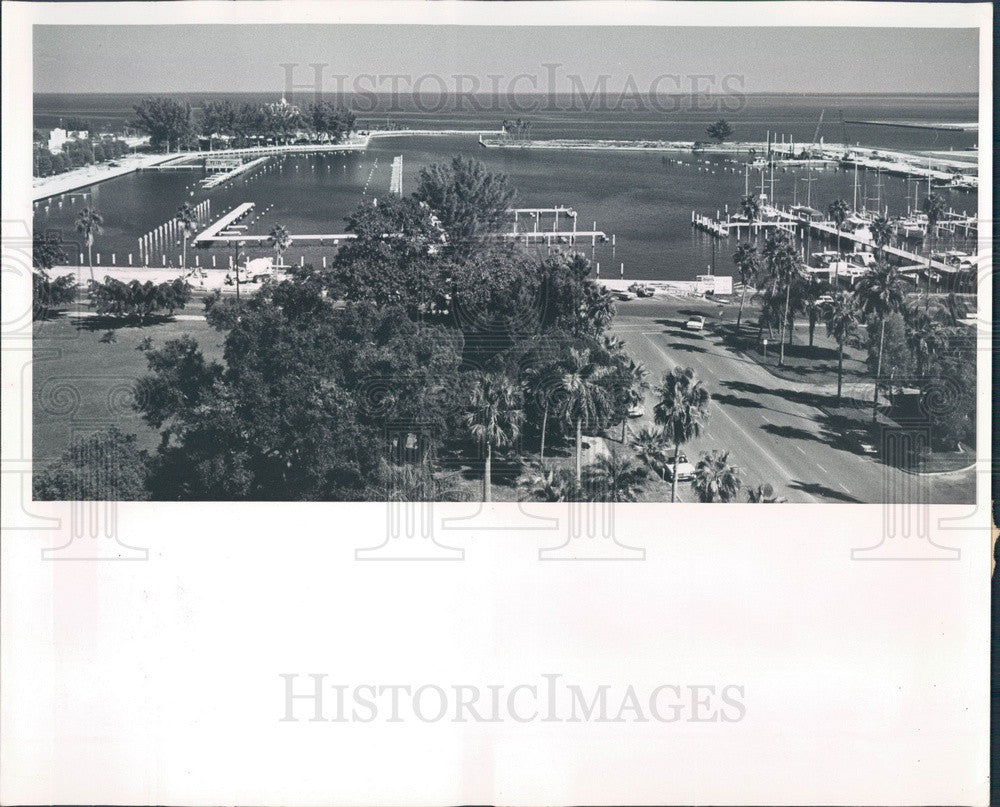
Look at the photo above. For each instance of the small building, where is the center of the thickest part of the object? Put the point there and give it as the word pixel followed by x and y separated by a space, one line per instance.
pixel 59 137
pixel 714 284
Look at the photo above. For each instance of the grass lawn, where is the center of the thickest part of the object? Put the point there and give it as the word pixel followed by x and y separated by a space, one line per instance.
pixel 82 385
pixel 815 364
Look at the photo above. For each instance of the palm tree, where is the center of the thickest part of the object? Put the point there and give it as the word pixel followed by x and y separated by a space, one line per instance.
pixel 584 399
pixel 841 322
pixel 715 479
pixel 748 265
pixel 812 307
pixel 280 240
pixel 540 483
pixel 750 205
pixel 763 494
pixel 88 223
pixel 650 446
pixel 782 263
pixel 879 294
pixel 187 218
pixel 615 477
pixel 544 380
pixel 682 408
pixel 638 377
pixel 925 336
pixel 933 208
pixel 494 418
pixel 838 212
pixel 881 230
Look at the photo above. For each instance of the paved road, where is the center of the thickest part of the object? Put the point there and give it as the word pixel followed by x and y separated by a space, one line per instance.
pixel 775 430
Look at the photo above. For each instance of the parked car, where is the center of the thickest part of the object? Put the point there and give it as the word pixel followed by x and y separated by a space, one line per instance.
pixel 685 470
pixel 695 323
pixel 861 440
pixel 641 290
pixel 637 411
pixel 624 295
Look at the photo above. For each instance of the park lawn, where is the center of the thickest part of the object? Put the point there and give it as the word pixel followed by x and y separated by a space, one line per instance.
pixel 810 364
pixel 81 385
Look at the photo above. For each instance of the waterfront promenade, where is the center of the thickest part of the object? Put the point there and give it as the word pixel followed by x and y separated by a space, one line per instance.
pixel 44 187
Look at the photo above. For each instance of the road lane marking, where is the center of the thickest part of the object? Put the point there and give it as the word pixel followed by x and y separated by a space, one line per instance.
pixel 784 472
pixel 799 449
pixel 843 487
pixel 822 468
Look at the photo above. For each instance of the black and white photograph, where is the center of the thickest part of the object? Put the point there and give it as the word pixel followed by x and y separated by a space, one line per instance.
pixel 426 274
pixel 559 282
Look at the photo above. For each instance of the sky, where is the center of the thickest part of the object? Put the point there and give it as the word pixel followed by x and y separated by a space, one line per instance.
pixel 248 58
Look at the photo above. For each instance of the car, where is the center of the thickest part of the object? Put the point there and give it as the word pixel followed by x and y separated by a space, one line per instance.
pixel 824 299
pixel 695 323
pixel 860 438
pixel 624 295
pixel 641 290
pixel 685 470
pixel 637 411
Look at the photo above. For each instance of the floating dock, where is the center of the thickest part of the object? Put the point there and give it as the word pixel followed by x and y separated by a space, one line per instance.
pixel 213 232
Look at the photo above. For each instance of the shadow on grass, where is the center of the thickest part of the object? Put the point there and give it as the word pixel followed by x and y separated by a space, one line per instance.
pixel 105 323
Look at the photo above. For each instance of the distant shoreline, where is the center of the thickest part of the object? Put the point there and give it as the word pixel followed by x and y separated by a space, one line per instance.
pixel 941 127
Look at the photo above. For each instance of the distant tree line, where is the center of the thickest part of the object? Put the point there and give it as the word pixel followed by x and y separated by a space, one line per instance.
pixel 172 124
pixel 75 154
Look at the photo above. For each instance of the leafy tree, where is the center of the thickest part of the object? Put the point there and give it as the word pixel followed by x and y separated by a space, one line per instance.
pixel 88 224
pixel 48 293
pixel 841 323
pixel 393 260
pixel 47 252
pixel 218 118
pixel 614 477
pixel 720 131
pixel 681 411
pixel 165 120
pixel 470 201
pixel 301 407
pixel 107 466
pixel 138 301
pixel 331 121
pixel 879 293
pixel 715 479
pixel 494 419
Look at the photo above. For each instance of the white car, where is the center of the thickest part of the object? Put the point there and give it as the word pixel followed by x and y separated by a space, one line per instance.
pixel 696 323
pixel 637 411
pixel 685 470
